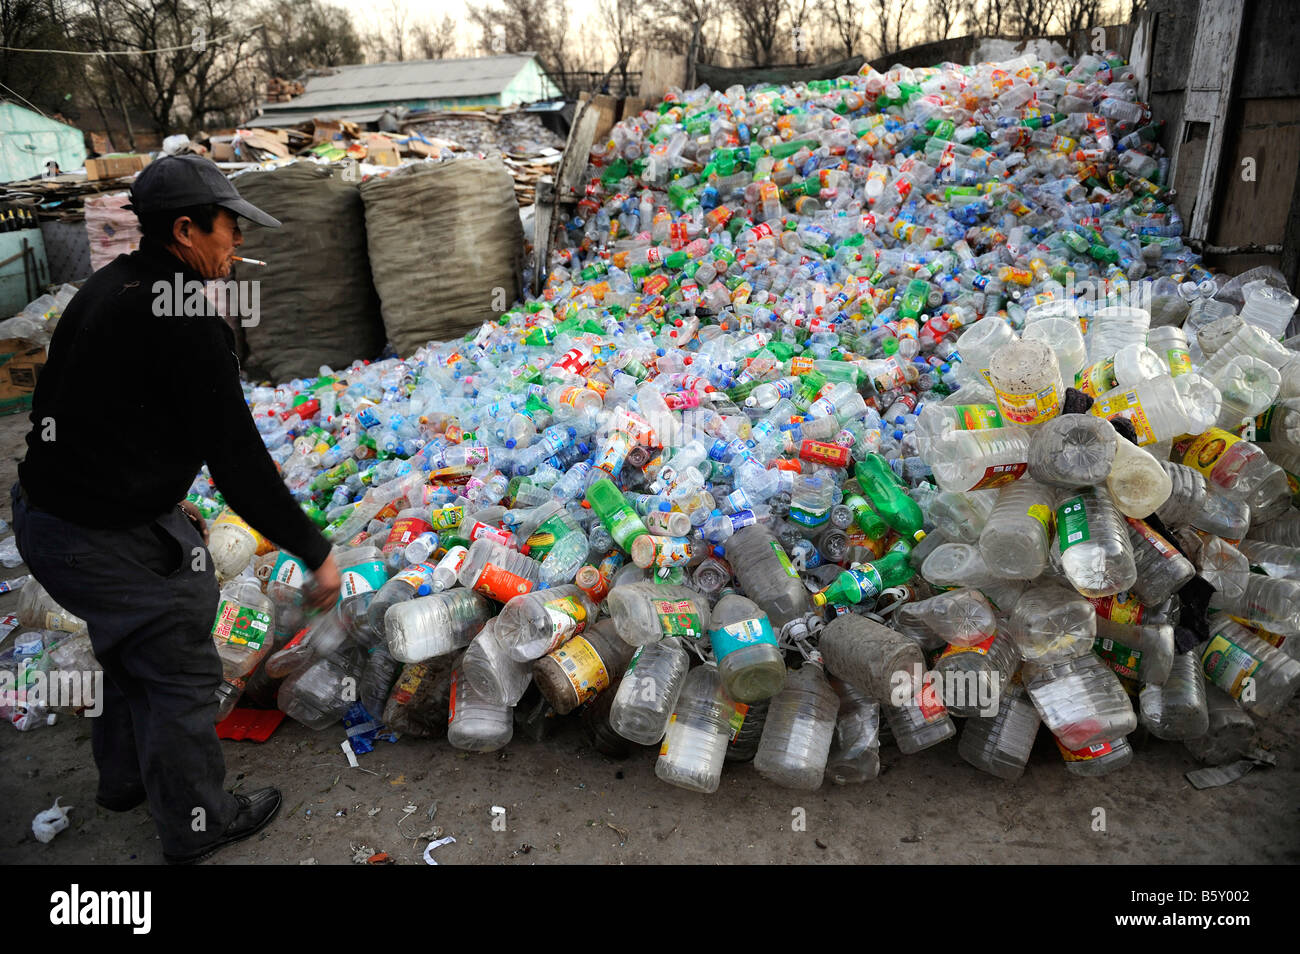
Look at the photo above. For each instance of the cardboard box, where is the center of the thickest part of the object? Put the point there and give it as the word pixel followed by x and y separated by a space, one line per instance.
pixel 381 151
pixel 114 167
pixel 223 150
pixel 20 365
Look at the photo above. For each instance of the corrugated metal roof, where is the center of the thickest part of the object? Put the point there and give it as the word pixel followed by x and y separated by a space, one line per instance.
pixel 292 117
pixel 411 80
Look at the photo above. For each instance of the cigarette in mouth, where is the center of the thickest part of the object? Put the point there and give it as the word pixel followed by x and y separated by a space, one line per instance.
pixel 250 261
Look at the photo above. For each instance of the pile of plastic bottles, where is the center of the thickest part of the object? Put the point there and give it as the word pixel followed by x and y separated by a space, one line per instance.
pixel 891 396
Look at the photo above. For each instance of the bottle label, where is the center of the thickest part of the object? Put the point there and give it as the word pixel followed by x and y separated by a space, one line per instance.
pixel 583 667
pixel 738 713
pixel 929 702
pixel 409 682
pixel 289 571
pixel 1095 380
pixel 631 663
pixel 1161 545
pixel 747 632
pixel 416 575
pixel 1264 425
pixel 622 525
pixel 1125 661
pixel 1043 514
pixel 1203 451
pixel 982 648
pixel 1179 360
pixel 1227 665
pixel 1085 754
pixel 446 518
pixel 1072 523
pixel 362 578
pixel 784 559
pixel 999 475
pixel 546 535
pixel 404 531
pixel 672 551
pixel 668 731
pixel 678 618
pixel 1029 408
pixel 808 519
pixel 1125 404
pixel 1120 608
pixel 501 585
pixel 451 702
pixel 568 616
pixel 978 417
pixel 241 625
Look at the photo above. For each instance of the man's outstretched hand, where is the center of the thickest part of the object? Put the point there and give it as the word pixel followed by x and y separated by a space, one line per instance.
pixel 323 589
pixel 195 517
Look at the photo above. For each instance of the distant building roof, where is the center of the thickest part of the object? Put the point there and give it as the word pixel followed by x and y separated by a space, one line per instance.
pixel 411 80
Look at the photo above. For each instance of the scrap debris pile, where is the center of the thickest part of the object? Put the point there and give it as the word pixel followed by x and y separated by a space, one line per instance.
pixel 852 412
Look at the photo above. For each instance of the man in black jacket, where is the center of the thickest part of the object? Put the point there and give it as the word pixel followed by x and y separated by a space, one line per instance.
pixel 133 399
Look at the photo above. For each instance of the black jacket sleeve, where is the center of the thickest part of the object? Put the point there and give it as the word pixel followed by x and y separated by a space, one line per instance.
pixel 239 462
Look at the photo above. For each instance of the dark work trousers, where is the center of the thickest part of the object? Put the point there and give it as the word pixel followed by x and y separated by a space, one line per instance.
pixel 149 596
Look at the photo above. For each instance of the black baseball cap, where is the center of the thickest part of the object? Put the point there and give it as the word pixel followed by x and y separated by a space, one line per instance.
pixel 176 182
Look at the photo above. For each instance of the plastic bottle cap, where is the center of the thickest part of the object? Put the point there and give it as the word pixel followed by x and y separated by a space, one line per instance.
pixel 510 443
pixel 424 589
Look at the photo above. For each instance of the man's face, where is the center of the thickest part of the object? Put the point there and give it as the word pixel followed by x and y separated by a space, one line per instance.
pixel 211 254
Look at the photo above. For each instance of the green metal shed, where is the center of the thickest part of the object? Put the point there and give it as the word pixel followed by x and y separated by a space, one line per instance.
pixel 28 140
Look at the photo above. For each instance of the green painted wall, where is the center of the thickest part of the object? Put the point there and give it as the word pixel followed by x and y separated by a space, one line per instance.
pixel 28 139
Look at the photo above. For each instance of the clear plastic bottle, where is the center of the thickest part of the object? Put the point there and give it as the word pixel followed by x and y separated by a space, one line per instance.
pixel 1170 343
pixel 647 694
pixel 695 741
pixel 974 677
pixel 377 680
pixel 420 579
pixel 1000 744
pixel 1072 450
pixel 1141 651
pixel 1015 539
pixel 1261 677
pixel 1176 709
pixel 871 657
pixel 243 628
pixel 1099 758
pixel 476 724
pixel 962 516
pixel 1096 555
pixel 1081 702
pixel 1231 732
pixel 1052 624
pixel 960 617
pixel 497 572
pixel 957 564
pixel 1128 366
pixel 855 748
pixel 1137 483
pixel 745 649
pixel 1273 558
pixel 647 612
pixel 493 674
pixel 919 722
pixel 1064 338
pixel 1237 468
pixel 1154 407
pixel 429 626
pixel 318 694
pixel 800 725
pixel 1161 569
pixel 536 623
pixel 585 665
pixel 1269 602
pixel 764 572
pixel 980 459
pixel 1110 329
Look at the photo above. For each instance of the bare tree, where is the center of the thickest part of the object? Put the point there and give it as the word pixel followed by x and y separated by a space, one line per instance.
pixel 1030 18
pixel 759 27
pixel 842 20
pixel 800 15
pixel 984 17
pixel 435 40
pixel 394 30
pixel 1078 14
pixel 687 26
pixel 889 16
pixel 625 30
pixel 300 35
pixel 941 17
pixel 539 26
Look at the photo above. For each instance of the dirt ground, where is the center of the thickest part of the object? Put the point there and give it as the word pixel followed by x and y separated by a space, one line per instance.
pixel 566 803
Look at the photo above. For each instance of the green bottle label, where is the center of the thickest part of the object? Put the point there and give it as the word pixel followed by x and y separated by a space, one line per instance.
pixel 785 560
pixel 1072 523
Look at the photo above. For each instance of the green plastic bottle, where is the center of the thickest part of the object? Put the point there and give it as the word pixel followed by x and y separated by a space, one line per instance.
pixel 889 496
pixel 868 520
pixel 867 580
pixel 617 515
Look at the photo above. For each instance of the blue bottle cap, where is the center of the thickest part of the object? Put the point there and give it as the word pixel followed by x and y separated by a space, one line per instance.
pixel 424 590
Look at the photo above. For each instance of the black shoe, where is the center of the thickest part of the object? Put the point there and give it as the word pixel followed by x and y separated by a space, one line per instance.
pixel 255 812
pixel 121 802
